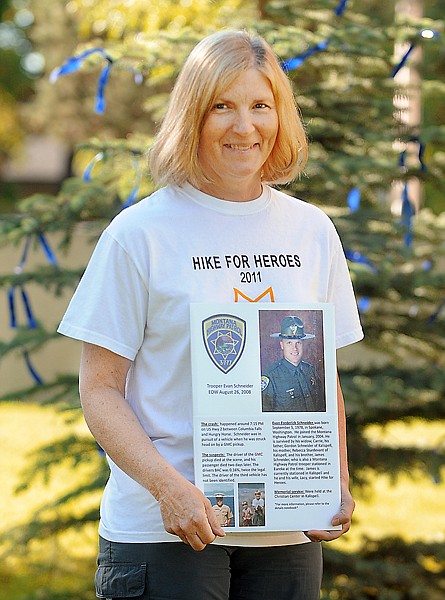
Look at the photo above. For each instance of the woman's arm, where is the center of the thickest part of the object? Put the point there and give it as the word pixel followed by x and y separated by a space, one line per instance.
pixel 185 510
pixel 344 517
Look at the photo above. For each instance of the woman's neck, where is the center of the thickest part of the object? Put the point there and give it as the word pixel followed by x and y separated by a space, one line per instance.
pixel 233 192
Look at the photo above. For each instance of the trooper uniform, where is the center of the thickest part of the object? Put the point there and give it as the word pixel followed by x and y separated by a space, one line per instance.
pixel 223 512
pixel 289 387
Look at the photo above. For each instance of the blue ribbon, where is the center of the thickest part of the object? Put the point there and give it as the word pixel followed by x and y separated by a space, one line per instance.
pixel 408 213
pixel 11 292
pixel 353 199
pixel 74 63
pixel 32 323
pixel 19 267
pixel 11 304
pixel 421 154
pixel 297 61
pixel 100 450
pixel 31 369
pixel 133 194
pixel 421 33
pixel 408 210
pixel 403 61
pixel 48 251
pixel 103 80
pixel 341 8
pixel 87 173
pixel 364 304
pixel 433 318
pixel 357 257
pixel 402 158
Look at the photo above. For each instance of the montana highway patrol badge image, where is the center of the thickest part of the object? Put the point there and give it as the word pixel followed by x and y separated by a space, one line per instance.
pixel 224 338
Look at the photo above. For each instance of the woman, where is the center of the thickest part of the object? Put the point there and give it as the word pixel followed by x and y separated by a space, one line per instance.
pixel 231 126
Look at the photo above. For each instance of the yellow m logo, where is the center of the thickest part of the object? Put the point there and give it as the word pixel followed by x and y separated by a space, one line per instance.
pixel 239 296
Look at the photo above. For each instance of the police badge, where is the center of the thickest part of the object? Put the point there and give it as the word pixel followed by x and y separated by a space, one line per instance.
pixel 224 339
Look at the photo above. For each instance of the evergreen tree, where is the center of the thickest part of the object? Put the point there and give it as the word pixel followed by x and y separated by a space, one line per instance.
pixel 19 64
pixel 339 56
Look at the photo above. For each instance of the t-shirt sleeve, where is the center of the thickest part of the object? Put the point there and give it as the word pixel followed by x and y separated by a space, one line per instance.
pixel 348 329
pixel 109 306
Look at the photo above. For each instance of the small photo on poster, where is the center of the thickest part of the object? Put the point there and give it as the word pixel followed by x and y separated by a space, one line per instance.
pixel 292 361
pixel 222 499
pixel 251 504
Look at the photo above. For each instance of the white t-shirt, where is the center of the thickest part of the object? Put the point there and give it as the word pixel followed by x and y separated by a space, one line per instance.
pixel 176 247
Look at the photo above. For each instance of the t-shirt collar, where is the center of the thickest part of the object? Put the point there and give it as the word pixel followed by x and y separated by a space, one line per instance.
pixel 225 206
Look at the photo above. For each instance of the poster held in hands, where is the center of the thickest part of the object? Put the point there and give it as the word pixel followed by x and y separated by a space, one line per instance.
pixel 265 417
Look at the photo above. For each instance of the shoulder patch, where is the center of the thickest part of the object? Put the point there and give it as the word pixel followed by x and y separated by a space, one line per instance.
pixel 264 382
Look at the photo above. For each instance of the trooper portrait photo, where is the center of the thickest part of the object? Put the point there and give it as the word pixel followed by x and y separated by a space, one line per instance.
pixel 292 383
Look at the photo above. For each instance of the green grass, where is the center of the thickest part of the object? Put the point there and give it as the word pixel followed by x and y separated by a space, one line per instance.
pixel 413 508
pixel 63 562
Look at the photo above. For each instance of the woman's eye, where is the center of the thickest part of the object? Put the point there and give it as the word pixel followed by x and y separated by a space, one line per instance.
pixel 260 105
pixel 220 105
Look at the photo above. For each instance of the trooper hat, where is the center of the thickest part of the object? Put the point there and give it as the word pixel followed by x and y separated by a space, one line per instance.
pixel 292 328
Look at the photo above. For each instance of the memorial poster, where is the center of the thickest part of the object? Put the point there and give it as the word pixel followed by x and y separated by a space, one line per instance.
pixel 265 414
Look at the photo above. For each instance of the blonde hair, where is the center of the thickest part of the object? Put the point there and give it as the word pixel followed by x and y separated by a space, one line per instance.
pixel 212 66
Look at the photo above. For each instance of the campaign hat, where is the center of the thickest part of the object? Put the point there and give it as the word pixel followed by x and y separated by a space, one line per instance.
pixel 292 328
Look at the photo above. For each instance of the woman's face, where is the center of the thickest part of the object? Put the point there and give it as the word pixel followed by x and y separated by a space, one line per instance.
pixel 237 137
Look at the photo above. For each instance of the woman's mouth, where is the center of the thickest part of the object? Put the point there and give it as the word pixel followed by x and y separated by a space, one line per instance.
pixel 240 147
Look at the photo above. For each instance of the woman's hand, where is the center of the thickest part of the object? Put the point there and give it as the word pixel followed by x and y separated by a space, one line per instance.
pixel 187 513
pixel 342 518
pixel 185 510
pixel 347 505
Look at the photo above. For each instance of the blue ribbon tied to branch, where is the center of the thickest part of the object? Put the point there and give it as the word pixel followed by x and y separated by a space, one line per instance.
pixel 295 62
pixel 131 199
pixel 31 320
pixel 74 63
pixel 423 33
pixel 408 208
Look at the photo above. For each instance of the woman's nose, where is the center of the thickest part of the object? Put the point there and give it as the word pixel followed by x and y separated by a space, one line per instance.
pixel 243 123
